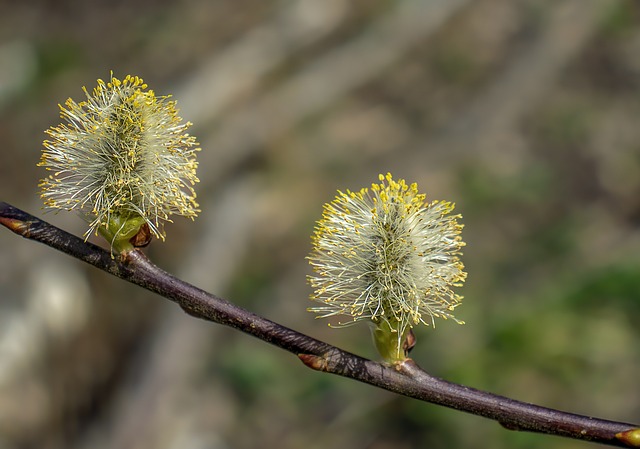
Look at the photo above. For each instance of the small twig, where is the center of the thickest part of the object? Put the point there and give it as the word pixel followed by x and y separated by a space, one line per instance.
pixel 406 378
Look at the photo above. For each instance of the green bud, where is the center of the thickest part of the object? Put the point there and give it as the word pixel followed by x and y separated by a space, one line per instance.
pixel 392 346
pixel 631 437
pixel 121 229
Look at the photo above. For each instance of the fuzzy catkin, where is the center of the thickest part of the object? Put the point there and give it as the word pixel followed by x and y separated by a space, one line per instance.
pixel 122 152
pixel 386 255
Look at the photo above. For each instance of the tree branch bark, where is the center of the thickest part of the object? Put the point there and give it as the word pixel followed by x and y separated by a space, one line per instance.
pixel 407 378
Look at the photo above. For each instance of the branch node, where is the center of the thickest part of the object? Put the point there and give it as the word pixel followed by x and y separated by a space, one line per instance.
pixel 409 368
pixel 631 437
pixel 315 362
pixel 510 425
pixel 18 226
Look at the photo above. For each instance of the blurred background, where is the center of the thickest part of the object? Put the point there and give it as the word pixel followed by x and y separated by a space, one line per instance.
pixel 524 113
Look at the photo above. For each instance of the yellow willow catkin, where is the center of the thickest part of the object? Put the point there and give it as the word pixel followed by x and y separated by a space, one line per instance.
pixel 384 255
pixel 122 152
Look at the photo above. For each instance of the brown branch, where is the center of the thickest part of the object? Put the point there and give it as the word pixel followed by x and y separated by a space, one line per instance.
pixel 407 378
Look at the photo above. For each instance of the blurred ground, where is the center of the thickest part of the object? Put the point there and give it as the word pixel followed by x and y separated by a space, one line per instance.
pixel 525 113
